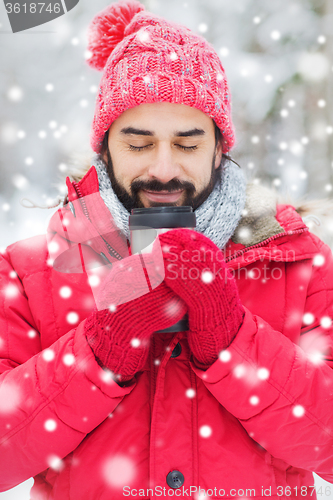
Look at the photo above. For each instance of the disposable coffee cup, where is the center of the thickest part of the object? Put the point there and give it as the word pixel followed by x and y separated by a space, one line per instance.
pixel 146 224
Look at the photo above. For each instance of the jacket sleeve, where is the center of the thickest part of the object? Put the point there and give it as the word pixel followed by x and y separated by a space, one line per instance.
pixel 49 399
pixel 281 394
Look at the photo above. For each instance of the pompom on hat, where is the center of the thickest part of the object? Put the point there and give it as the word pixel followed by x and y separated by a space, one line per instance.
pixel 146 59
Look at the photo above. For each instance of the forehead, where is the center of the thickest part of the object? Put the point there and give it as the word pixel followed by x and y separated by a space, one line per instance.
pixel 163 117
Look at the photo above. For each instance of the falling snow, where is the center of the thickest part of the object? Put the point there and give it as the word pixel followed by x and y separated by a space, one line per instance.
pixel 190 393
pixel 48 355
pixel 68 359
pixel 205 431
pixel 10 397
pixel 225 356
pixel 65 292
pixel 118 470
pixel 298 411
pixel 50 425
pixel 72 318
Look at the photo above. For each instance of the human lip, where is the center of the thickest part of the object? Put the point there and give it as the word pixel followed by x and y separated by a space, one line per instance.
pixel 165 196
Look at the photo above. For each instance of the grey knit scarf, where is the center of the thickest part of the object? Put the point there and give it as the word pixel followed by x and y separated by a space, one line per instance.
pixel 217 218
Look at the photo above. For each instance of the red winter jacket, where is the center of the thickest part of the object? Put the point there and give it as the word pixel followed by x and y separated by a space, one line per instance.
pixel 256 423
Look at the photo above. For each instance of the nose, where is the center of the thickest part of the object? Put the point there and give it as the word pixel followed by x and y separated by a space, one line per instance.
pixel 164 166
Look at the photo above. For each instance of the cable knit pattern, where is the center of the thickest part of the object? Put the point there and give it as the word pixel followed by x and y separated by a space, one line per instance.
pixel 146 59
pixel 217 218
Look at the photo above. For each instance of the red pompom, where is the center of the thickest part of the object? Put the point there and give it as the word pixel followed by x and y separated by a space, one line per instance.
pixel 107 30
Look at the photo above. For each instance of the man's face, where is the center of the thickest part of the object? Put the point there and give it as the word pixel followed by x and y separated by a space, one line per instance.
pixel 162 154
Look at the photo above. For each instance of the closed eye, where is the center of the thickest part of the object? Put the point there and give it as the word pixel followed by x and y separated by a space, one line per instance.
pixel 187 148
pixel 140 148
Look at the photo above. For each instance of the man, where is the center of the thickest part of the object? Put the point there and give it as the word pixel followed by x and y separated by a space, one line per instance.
pixel 95 403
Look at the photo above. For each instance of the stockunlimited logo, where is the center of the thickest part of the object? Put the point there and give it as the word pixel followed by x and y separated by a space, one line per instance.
pixel 25 14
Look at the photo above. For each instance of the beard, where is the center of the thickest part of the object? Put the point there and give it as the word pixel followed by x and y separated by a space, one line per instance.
pixel 192 199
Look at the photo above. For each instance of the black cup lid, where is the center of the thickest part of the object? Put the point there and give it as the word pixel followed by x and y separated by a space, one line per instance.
pixel 162 217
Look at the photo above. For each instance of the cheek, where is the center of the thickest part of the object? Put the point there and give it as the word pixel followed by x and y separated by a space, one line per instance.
pixel 125 169
pixel 200 171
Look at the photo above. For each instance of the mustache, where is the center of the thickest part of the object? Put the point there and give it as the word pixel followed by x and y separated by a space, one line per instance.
pixel 156 185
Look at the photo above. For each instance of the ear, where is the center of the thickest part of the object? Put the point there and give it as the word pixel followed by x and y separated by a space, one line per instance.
pixel 219 154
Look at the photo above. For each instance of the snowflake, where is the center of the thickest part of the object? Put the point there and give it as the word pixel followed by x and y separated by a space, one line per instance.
pixel 308 318
pixel 62 167
pixel 203 28
pixel 298 411
pixel 239 371
pixel 68 359
pixel 65 292
pixel 94 280
pixel 48 355
pixel 55 463
pixel 11 291
pixel 263 374
pixel 118 471
pixel 15 94
pixel 225 356
pixel 53 247
pixel 190 393
pixel 10 397
pixel 224 51
pixel 106 376
pixel 318 260
pixel 207 277
pixel 205 431
pixel 275 35
pixel 72 318
pixel 20 182
pixel 143 35
pixel 326 322
pixel 50 425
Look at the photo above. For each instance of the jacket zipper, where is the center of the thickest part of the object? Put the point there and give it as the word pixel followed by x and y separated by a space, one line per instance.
pixel 262 243
pixel 111 250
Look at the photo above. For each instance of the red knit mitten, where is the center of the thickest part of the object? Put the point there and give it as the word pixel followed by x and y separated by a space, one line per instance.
pixel 119 336
pixel 196 271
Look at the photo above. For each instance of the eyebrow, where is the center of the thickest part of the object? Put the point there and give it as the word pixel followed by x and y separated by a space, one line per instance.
pixel 187 133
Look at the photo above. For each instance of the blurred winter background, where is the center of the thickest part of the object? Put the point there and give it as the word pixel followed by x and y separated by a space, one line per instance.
pixel 278 56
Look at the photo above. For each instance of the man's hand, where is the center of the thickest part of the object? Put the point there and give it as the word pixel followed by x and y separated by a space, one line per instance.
pixel 119 335
pixel 196 271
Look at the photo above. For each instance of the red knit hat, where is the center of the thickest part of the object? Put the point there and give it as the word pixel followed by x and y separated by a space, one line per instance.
pixel 146 59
